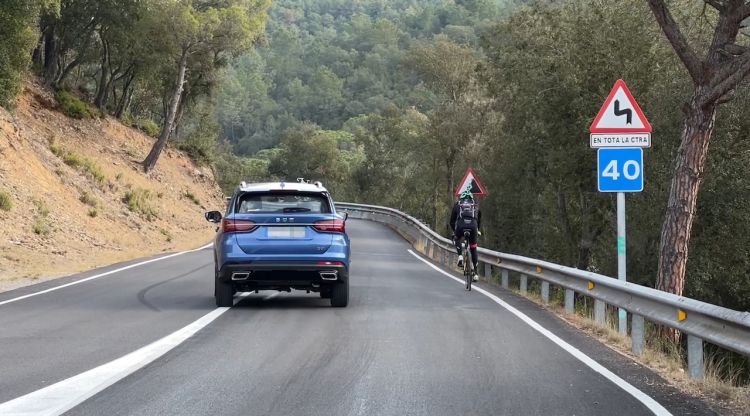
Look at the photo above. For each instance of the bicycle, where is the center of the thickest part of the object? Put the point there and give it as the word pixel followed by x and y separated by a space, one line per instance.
pixel 468 261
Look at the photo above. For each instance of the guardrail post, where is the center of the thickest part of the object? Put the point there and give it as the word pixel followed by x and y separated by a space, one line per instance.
pixel 569 301
pixel 599 309
pixel 545 292
pixel 636 334
pixel 504 281
pixel 524 285
pixel 488 271
pixel 695 357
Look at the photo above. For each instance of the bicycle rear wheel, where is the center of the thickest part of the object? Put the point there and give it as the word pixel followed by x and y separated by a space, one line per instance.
pixel 468 275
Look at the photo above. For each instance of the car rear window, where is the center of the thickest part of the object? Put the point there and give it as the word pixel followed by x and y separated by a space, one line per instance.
pixel 282 202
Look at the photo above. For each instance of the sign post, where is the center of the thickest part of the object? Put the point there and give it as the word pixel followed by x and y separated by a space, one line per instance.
pixel 620 132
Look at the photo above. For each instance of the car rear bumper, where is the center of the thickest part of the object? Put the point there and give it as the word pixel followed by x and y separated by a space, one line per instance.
pixel 269 275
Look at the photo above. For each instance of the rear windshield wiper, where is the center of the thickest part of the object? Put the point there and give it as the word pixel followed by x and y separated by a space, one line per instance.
pixel 296 209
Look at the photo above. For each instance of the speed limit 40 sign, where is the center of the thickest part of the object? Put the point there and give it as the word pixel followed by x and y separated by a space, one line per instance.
pixel 620 169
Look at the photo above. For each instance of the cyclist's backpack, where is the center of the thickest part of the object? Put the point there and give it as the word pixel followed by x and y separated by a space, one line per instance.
pixel 467 211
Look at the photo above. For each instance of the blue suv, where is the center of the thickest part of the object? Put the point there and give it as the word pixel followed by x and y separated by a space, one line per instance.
pixel 281 236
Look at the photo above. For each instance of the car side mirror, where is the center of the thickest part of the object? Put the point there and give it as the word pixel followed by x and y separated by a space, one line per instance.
pixel 346 216
pixel 213 216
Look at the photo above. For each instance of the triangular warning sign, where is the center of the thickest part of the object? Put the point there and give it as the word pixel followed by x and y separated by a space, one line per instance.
pixel 620 113
pixel 471 181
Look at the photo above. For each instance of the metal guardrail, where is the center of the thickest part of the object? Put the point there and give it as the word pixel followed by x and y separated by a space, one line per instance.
pixel 701 321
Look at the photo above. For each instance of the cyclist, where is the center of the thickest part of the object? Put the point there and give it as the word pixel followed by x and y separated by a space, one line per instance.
pixel 466 215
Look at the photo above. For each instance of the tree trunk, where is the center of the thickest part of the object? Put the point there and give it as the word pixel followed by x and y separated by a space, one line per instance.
pixel 50 55
pixel 127 94
pixel 166 129
pixel 683 198
pixel 102 89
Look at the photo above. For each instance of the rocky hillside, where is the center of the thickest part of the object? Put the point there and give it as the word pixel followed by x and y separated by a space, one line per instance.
pixel 73 196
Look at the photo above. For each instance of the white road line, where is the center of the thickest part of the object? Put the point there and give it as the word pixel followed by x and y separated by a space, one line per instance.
pixel 642 397
pixel 52 289
pixel 60 397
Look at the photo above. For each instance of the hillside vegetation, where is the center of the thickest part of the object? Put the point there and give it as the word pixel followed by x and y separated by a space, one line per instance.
pixel 390 102
pixel 73 197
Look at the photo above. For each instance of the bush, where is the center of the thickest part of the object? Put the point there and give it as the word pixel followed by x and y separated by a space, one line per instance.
pixel 41 208
pixel 40 226
pixel 73 107
pixel 191 196
pixel 6 201
pixel 85 164
pixel 148 126
pixel 89 199
pixel 93 213
pixel 139 201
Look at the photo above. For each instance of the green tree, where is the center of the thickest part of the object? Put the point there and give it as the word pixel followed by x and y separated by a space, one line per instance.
pixel 200 37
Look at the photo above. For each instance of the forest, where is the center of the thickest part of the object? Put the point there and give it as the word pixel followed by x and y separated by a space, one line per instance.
pixel 388 102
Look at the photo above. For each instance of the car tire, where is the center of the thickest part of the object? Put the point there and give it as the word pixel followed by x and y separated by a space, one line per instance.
pixel 340 295
pixel 224 293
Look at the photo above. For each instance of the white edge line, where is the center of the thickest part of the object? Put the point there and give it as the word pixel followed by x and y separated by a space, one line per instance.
pixel 97 276
pixel 642 397
pixel 64 395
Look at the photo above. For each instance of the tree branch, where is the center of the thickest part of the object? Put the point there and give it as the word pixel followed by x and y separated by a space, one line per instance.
pixel 672 31
pixel 716 4
pixel 729 78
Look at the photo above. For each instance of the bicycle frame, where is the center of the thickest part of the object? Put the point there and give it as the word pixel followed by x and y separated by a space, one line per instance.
pixel 468 261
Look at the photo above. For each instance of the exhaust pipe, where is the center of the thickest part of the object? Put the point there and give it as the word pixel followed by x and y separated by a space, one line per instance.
pixel 332 275
pixel 240 276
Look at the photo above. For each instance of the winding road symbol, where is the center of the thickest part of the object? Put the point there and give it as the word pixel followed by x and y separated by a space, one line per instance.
pixel 625 112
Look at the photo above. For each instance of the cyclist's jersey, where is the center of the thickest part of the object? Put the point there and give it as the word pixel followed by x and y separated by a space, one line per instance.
pixel 466 214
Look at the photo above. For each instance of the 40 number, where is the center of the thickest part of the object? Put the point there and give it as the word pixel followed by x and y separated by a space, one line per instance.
pixel 631 170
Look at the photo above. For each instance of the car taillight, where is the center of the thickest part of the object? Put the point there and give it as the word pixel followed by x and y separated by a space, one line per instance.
pixel 331 226
pixel 331 263
pixel 237 226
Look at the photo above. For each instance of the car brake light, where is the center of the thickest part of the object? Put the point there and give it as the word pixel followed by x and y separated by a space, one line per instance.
pixel 331 226
pixel 238 226
pixel 331 263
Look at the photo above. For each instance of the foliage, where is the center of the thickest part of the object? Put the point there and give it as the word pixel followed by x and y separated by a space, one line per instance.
pixel 82 163
pixel 147 126
pixel 139 201
pixel 6 201
pixel 73 107
pixel 17 37
pixel 191 196
pixel 40 225
pixel 88 199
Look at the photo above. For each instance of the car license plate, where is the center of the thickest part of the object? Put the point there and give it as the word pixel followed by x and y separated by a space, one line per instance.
pixel 286 232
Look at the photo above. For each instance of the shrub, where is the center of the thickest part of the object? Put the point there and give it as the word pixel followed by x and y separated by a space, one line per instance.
pixel 89 199
pixel 41 208
pixel 148 126
pixel 40 226
pixel 87 165
pixel 56 150
pixel 6 201
pixel 93 213
pixel 191 196
pixel 73 107
pixel 139 201
pixel 166 234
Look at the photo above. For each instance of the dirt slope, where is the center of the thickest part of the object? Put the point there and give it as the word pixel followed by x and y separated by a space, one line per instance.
pixel 68 179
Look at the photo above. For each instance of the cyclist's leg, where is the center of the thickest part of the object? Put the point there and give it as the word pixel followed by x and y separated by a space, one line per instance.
pixel 473 247
pixel 457 236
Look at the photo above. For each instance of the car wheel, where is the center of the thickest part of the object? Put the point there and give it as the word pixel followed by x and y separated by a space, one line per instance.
pixel 224 293
pixel 340 295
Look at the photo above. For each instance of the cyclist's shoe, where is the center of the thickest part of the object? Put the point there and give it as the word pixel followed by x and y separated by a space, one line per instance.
pixel 460 262
pixel 475 277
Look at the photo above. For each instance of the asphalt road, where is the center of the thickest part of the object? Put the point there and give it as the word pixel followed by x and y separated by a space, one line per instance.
pixel 411 342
